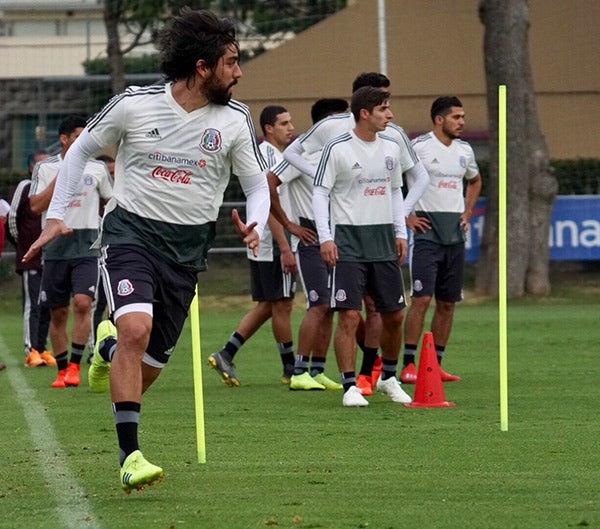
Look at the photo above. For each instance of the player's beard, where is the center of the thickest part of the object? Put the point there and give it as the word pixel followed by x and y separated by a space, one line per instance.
pixel 452 134
pixel 215 91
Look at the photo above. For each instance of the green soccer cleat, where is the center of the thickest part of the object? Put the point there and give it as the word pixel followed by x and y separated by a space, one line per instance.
pixel 136 473
pixel 99 371
pixel 305 382
pixel 324 380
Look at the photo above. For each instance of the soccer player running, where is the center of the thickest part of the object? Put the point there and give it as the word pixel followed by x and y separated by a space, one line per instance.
pixel 439 225
pixel 359 213
pixel 178 144
pixel 70 265
pixel 313 141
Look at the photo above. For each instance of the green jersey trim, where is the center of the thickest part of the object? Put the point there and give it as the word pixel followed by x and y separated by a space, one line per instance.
pixel 183 245
pixel 445 228
pixel 367 243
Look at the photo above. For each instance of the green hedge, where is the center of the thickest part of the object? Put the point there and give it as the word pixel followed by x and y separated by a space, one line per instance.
pixel 147 63
pixel 579 176
pixel 9 178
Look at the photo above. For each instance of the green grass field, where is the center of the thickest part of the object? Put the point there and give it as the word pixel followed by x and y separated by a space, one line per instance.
pixel 277 458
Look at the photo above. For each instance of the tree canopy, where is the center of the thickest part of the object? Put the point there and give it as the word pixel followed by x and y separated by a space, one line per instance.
pixel 132 23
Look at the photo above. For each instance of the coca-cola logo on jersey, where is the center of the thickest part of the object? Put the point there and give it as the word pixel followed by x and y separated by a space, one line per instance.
pixel 177 176
pixel 447 184
pixel 374 191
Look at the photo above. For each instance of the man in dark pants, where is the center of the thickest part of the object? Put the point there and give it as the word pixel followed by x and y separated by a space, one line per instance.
pixel 24 227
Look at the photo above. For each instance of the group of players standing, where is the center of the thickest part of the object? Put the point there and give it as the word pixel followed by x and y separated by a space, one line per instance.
pixel 342 180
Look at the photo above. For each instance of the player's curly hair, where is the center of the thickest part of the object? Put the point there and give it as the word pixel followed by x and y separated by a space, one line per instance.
pixel 192 36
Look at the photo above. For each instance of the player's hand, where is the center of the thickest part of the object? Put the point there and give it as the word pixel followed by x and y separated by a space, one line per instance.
pixel 417 224
pixel 288 262
pixel 52 229
pixel 464 220
pixel 306 235
pixel 329 253
pixel 401 250
pixel 249 235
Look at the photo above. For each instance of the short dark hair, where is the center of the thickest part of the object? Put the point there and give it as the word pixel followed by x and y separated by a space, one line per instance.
pixel 32 156
pixel 70 123
pixel 327 106
pixel 192 36
pixel 374 79
pixel 442 105
pixel 105 158
pixel 367 97
pixel 269 114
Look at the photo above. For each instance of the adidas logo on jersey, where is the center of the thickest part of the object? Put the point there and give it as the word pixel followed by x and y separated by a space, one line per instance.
pixel 356 166
pixel 435 160
pixel 153 134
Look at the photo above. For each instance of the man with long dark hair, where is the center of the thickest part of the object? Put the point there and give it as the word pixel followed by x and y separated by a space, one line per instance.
pixel 178 144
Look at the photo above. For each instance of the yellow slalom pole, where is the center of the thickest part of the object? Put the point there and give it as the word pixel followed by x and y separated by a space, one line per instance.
pixel 502 258
pixel 197 367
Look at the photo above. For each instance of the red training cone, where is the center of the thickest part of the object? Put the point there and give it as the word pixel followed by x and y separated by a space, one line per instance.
pixel 429 390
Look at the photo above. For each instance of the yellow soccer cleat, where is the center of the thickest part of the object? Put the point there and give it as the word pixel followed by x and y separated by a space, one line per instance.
pixel 136 473
pixel 99 371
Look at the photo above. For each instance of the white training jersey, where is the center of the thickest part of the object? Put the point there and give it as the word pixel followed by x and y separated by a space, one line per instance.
pixel 332 126
pixel 82 212
pixel 360 176
pixel 443 201
pixel 300 188
pixel 172 169
pixel 266 247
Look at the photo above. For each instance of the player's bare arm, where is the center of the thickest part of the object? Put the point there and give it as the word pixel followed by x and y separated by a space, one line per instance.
pixel 471 196
pixel 40 202
pixel 306 235
pixel 287 259
pixel 401 250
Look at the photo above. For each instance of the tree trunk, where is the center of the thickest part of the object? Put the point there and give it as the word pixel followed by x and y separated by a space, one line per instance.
pixel 543 187
pixel 112 17
pixel 531 187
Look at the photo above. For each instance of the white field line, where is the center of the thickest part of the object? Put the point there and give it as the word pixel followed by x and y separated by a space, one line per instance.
pixel 72 507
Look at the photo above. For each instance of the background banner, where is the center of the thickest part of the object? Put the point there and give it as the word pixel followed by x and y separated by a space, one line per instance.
pixel 574 229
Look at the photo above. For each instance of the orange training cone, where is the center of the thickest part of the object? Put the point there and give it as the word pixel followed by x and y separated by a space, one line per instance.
pixel 429 390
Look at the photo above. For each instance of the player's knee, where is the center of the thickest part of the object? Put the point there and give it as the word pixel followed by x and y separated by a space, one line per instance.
pixel 446 307
pixel 82 303
pixel 393 320
pixel 134 333
pixel 59 315
pixel 282 307
pixel 420 303
pixel 349 319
